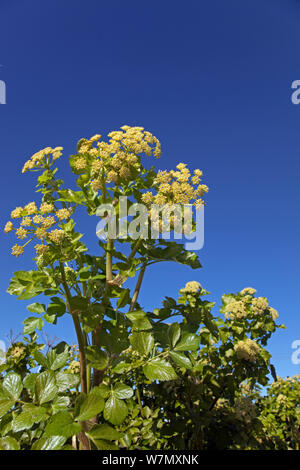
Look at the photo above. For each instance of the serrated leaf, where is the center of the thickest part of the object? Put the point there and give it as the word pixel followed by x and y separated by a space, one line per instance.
pixel 89 406
pixel 122 391
pixel 188 342
pixel 124 298
pixel 62 424
pixel 56 361
pixel 174 333
pixel 60 404
pixel 5 405
pixel 97 357
pixel 65 381
pixel 30 415
pixel 180 359
pixel 159 369
pixel 12 385
pixel 49 443
pixel 104 431
pixel 29 381
pixel 103 390
pixel 36 308
pixel 40 359
pixel 142 342
pixel 45 387
pixel 115 410
pixel 31 324
pixel 139 320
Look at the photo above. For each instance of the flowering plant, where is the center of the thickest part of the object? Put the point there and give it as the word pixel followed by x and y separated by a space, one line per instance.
pixel 114 390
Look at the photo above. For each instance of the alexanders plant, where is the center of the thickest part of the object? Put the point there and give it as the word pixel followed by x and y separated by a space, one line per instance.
pixel 141 380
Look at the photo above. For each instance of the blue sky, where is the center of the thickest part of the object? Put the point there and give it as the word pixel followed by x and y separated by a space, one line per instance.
pixel 212 80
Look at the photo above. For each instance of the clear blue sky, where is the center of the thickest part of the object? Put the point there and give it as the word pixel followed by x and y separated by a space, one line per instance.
pixel 212 79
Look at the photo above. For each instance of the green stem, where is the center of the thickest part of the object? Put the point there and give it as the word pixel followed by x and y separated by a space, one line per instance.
pixel 137 288
pixel 79 333
pixel 109 275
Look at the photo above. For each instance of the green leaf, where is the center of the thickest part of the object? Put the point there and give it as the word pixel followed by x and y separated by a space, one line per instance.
pixel 88 406
pixel 105 445
pixel 62 424
pixel 174 333
pixel 139 320
pixel 40 359
pixel 122 391
pixel 5 405
pixel 65 381
pixel 181 360
pixel 45 387
pixel 36 308
pixel 142 342
pixel 49 443
pixel 29 381
pixel 57 361
pixel 188 342
pixel 60 404
pixel 9 443
pixel 31 324
pixel 104 431
pixel 115 410
pixel 57 307
pixel 159 369
pixel 12 385
pixel 30 415
pixel 124 298
pixel 97 357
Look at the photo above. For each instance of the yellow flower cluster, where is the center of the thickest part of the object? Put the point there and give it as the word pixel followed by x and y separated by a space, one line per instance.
pixel 42 158
pixel 191 287
pixel 177 187
pixel 247 350
pixel 117 159
pixel 236 309
pixel 274 313
pixel 17 351
pixel 37 223
pixel 74 367
pixel 260 305
pixel 63 214
pixel 248 305
pixel 41 249
pixel 8 227
pixel 56 236
pixel 248 291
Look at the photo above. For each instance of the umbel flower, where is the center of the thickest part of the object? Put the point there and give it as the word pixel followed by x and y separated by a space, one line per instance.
pixel 118 160
pixel 177 187
pixel 39 225
pixel 247 306
pixel 191 287
pixel 42 159
pixel 247 349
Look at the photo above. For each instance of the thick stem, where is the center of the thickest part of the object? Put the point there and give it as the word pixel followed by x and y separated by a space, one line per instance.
pixel 79 334
pixel 109 274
